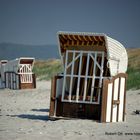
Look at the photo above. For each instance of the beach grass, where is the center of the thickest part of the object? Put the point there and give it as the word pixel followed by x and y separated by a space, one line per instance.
pixel 46 69
pixel 133 81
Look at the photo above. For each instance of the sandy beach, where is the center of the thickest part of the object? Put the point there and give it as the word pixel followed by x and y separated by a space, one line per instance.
pixel 24 116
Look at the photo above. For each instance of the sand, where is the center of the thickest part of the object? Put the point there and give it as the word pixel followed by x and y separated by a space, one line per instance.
pixel 24 116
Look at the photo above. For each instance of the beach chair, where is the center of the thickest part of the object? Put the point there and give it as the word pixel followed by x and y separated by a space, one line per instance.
pixel 93 85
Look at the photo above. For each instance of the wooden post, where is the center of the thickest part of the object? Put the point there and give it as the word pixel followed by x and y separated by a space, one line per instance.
pixel 52 96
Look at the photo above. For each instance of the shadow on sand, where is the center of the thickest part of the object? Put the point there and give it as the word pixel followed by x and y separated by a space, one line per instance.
pixel 41 110
pixel 32 117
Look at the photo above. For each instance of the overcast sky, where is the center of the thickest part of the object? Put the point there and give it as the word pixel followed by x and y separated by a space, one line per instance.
pixel 37 21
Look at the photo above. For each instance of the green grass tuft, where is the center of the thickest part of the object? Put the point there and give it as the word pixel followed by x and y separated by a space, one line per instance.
pixel 133 81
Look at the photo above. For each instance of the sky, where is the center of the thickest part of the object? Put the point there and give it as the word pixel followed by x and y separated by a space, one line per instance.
pixel 36 22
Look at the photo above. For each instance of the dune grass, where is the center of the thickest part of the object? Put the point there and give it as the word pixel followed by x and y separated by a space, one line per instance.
pixel 133 81
pixel 46 69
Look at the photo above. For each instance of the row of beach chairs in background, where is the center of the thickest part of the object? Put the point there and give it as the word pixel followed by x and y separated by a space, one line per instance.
pixel 17 74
